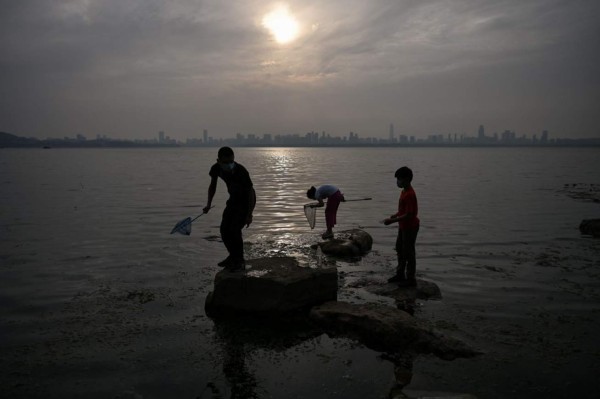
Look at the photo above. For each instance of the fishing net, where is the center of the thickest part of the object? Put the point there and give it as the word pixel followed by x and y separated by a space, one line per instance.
pixel 311 214
pixel 183 227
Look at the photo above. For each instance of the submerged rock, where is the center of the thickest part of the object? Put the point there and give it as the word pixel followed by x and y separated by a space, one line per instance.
pixel 348 243
pixel 384 328
pixel 275 285
pixel 590 227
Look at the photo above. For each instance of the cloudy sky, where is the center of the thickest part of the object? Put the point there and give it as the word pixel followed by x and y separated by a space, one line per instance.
pixel 129 68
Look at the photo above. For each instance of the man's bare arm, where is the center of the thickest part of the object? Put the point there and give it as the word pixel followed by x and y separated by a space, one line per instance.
pixel 212 189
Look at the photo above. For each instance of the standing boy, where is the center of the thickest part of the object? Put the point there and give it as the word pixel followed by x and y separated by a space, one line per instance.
pixel 334 197
pixel 408 227
pixel 240 205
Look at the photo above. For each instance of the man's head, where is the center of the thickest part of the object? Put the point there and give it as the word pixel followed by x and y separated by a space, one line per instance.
pixel 403 176
pixel 226 159
pixel 225 153
pixel 311 192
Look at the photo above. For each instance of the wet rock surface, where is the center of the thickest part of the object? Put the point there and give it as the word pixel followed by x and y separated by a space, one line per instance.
pixel 590 227
pixel 273 285
pixel 348 243
pixel 384 328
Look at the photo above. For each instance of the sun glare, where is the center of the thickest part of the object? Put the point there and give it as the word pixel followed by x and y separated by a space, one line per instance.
pixel 282 25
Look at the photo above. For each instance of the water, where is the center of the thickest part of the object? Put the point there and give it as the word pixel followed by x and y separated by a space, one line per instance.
pixel 93 289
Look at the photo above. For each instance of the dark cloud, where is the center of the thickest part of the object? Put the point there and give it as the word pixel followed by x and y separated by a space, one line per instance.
pixel 131 68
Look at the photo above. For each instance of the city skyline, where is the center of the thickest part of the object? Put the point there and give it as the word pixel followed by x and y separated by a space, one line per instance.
pixel 308 139
pixel 393 135
pixel 125 69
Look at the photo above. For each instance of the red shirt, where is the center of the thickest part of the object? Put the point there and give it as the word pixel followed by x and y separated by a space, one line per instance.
pixel 408 204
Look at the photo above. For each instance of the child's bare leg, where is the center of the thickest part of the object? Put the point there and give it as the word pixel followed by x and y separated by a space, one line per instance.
pixel 409 250
pixel 401 266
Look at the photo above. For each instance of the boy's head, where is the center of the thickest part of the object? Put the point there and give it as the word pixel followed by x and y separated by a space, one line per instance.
pixel 403 176
pixel 311 192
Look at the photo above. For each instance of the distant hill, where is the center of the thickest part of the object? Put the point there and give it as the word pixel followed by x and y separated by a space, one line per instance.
pixel 11 140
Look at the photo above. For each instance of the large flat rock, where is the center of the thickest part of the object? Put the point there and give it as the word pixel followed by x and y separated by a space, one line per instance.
pixel 274 285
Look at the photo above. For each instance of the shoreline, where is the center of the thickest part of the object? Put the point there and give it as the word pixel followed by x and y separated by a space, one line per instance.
pixel 127 335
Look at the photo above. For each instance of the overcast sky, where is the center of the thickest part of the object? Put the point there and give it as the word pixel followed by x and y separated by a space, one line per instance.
pixel 129 68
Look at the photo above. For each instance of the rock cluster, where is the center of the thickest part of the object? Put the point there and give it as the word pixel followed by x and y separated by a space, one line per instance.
pixel 278 286
pixel 305 298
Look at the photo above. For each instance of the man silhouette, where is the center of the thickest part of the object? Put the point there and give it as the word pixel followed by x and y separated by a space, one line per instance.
pixel 239 208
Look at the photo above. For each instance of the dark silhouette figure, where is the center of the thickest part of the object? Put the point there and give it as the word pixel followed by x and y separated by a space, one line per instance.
pixel 408 227
pixel 240 205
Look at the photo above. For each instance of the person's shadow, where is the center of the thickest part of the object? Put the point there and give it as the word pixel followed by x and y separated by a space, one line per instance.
pixel 241 380
pixel 240 336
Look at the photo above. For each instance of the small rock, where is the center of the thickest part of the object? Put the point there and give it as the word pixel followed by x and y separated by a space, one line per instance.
pixel 590 227
pixel 403 376
pixel 348 243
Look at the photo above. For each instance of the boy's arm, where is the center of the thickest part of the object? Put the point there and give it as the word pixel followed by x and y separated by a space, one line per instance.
pixel 409 214
pixel 397 218
pixel 392 219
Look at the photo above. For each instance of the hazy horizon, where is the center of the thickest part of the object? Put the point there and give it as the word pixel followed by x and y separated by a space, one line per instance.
pixel 130 69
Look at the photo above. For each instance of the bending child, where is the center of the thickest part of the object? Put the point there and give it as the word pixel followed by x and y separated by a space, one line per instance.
pixel 408 227
pixel 334 197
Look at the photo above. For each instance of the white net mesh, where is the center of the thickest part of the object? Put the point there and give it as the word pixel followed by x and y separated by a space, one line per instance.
pixel 311 214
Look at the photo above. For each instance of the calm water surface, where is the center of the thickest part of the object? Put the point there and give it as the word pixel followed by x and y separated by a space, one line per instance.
pixel 85 235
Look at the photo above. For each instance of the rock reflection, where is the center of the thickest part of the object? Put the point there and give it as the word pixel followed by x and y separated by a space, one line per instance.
pixel 241 380
pixel 241 336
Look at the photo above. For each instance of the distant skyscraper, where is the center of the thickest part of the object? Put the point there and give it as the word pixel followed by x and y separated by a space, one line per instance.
pixel 391 132
pixel 544 138
pixel 481 132
pixel 161 136
pixel 205 133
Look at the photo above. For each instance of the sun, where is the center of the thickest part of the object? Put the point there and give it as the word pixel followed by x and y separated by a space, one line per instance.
pixel 281 24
